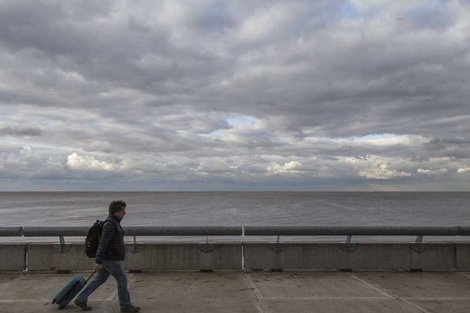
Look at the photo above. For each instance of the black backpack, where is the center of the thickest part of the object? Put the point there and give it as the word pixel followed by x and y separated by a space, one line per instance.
pixel 93 237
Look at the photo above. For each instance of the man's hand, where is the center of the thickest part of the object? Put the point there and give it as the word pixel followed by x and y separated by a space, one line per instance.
pixel 98 267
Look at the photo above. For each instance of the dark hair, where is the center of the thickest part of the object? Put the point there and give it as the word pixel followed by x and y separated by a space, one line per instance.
pixel 116 206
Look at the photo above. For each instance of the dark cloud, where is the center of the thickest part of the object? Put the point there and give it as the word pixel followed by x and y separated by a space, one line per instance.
pixel 279 94
pixel 458 148
pixel 20 132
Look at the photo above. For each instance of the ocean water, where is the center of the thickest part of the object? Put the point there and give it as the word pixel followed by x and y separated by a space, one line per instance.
pixel 239 208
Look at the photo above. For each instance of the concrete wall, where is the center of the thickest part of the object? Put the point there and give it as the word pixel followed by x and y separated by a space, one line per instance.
pixel 357 256
pixel 47 257
pixel 462 256
pixel 12 257
pixel 152 256
pixel 230 256
pixel 184 256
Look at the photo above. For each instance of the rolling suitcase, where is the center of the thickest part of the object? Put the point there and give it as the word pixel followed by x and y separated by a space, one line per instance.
pixel 69 292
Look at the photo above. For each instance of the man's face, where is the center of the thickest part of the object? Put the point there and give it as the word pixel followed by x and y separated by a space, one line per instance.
pixel 120 214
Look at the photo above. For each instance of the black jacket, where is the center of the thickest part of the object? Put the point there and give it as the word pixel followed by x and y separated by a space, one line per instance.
pixel 111 245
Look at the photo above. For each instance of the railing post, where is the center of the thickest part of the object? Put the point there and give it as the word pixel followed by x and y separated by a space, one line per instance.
pixel 418 246
pixel 348 246
pixel 135 248
pixel 62 247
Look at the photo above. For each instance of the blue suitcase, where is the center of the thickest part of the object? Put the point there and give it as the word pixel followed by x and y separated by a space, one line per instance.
pixel 69 292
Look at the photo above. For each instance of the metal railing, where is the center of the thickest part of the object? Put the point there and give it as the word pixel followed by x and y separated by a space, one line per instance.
pixel 246 231
pixel 11 231
pixel 356 231
pixel 29 231
pixel 349 231
pixel 137 231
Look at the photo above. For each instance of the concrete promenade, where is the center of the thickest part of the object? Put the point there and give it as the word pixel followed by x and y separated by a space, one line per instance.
pixel 253 291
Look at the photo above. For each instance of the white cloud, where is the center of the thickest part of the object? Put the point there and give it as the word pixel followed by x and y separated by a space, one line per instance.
pixel 375 167
pixel 464 170
pixel 383 173
pixel 77 162
pixel 390 139
pixel 432 172
pixel 26 151
pixel 291 167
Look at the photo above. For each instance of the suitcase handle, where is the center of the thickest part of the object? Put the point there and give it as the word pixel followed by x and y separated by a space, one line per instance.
pixel 86 281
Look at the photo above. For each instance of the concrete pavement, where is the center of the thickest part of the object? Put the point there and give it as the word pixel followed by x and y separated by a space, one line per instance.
pixel 253 292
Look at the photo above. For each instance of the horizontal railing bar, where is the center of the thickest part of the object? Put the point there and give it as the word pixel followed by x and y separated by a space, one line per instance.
pixel 138 231
pixel 355 231
pixel 464 230
pixel 54 231
pixel 29 231
pixel 10 231
pixel 184 231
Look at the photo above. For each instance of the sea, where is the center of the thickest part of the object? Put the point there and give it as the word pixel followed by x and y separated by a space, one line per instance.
pixel 63 209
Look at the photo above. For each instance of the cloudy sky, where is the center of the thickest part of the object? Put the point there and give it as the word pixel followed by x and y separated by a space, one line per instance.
pixel 235 95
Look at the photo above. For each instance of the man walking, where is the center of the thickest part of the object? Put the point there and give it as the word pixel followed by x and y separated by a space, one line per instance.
pixel 109 260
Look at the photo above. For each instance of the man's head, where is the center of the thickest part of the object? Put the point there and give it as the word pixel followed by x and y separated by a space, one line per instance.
pixel 117 208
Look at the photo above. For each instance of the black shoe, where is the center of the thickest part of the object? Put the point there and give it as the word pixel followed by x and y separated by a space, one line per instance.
pixel 131 309
pixel 83 306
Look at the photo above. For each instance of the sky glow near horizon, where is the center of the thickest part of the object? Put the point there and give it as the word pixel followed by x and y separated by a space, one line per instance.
pixel 235 95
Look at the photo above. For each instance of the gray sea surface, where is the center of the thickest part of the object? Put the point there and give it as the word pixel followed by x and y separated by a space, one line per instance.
pixel 53 209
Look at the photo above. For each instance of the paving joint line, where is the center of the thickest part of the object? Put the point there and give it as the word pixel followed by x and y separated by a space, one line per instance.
pixel 319 298
pixel 25 301
pixel 391 294
pixel 256 294
pixel 437 298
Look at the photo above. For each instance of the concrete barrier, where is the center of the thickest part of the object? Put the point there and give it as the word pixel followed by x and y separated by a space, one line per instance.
pixel 152 256
pixel 184 256
pixel 49 257
pixel 277 256
pixel 462 256
pixel 12 257
pixel 255 255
